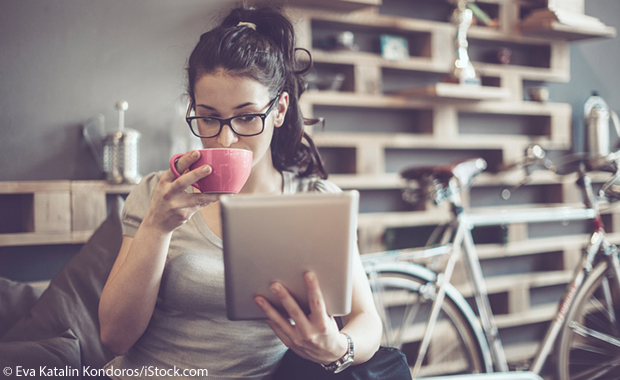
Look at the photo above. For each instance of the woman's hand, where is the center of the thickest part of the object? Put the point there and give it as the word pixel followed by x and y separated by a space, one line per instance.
pixel 171 206
pixel 314 337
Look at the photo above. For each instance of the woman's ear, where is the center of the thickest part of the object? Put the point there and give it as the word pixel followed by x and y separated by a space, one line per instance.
pixel 282 107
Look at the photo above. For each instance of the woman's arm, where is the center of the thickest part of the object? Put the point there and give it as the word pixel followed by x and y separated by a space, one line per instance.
pixel 363 324
pixel 316 336
pixel 129 295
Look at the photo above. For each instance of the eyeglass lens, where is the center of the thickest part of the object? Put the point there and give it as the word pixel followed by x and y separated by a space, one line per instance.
pixel 242 125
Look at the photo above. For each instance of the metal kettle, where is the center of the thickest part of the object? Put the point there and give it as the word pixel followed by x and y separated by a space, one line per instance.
pixel 596 115
pixel 116 152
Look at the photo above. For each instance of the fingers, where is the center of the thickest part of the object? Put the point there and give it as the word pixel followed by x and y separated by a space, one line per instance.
pixel 275 319
pixel 188 178
pixel 290 304
pixel 187 160
pixel 315 295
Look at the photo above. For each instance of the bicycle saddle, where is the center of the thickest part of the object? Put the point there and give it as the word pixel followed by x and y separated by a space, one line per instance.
pixel 464 171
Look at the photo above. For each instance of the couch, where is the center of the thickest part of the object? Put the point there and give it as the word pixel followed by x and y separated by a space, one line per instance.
pixel 58 329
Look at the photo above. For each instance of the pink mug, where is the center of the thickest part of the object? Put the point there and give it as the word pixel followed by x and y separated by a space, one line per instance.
pixel 231 169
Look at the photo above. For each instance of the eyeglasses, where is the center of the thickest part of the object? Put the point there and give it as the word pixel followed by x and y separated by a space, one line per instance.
pixel 251 124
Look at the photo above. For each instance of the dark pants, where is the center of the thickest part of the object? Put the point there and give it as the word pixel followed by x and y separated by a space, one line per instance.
pixel 387 363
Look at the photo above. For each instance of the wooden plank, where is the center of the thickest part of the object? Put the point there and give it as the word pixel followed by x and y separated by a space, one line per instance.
pixel 537 314
pixel 26 187
pixel 451 91
pixel 518 298
pixel 399 102
pixel 501 284
pixel 438 215
pixel 339 5
pixel 424 64
pixel 367 79
pixel 98 185
pixel 382 181
pixel 33 238
pixel 88 209
pixel 517 232
pixel 52 211
pixel 445 123
pixel 369 159
pixel 413 141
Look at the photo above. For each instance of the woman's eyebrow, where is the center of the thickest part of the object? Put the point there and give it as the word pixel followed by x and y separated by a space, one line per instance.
pixel 237 107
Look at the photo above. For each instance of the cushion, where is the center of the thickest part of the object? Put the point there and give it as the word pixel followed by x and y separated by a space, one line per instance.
pixel 72 299
pixel 36 359
pixel 16 299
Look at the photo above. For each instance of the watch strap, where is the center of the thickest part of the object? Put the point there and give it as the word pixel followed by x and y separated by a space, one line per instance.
pixel 345 361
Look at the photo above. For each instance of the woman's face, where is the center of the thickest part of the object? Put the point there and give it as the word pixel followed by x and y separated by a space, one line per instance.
pixel 225 96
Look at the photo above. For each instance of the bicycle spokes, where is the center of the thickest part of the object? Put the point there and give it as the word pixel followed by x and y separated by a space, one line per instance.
pixel 592 341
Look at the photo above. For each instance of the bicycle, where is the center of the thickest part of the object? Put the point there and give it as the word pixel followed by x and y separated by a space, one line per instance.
pixel 417 302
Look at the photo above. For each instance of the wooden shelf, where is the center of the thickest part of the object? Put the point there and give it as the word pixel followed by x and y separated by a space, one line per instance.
pixel 433 120
pixel 415 141
pixel 368 182
pixel 35 238
pixel 339 5
pixel 536 314
pixel 56 212
pixel 451 91
pixel 423 64
pixel 404 219
pixel 502 284
pixel 511 107
pixel 556 30
pixel 26 187
pixel 565 25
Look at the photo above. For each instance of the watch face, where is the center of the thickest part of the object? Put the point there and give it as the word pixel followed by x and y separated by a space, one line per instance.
pixel 344 365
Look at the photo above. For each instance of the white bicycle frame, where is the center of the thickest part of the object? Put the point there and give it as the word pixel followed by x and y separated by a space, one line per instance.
pixel 493 352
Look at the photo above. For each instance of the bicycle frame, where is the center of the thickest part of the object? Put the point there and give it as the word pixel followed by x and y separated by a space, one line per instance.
pixel 462 241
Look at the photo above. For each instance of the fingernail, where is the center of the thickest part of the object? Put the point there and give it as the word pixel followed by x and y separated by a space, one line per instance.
pixel 276 288
pixel 206 169
pixel 195 154
pixel 259 301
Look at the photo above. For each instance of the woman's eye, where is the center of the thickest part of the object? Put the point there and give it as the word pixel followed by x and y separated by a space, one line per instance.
pixel 247 119
pixel 210 120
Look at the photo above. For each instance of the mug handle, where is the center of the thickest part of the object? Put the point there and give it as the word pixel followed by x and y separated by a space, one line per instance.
pixel 173 167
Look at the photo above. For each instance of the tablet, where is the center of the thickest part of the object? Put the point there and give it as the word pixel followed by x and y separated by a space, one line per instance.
pixel 279 238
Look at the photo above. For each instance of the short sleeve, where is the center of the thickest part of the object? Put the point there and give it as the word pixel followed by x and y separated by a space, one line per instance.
pixel 138 202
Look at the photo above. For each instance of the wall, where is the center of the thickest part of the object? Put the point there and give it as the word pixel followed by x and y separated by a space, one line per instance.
pixel 594 66
pixel 64 61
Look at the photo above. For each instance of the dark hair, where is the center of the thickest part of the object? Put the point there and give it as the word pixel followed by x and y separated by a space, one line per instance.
pixel 266 54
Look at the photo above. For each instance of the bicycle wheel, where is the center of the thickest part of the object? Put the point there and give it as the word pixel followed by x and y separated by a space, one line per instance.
pixel 404 301
pixel 590 343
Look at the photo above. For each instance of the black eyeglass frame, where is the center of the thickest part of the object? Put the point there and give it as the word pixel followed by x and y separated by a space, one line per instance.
pixel 228 121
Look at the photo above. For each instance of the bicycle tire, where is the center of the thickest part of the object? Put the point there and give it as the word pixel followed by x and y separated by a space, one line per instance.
pixel 457 346
pixel 594 315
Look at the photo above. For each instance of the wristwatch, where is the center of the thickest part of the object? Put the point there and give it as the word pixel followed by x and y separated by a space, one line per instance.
pixel 344 362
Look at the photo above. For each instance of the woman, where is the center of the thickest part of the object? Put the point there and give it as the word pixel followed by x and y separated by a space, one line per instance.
pixel 163 304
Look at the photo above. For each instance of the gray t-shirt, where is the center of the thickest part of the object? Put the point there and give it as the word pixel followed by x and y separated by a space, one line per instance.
pixel 189 329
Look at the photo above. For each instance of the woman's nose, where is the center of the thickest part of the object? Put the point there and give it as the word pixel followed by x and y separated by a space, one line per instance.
pixel 227 136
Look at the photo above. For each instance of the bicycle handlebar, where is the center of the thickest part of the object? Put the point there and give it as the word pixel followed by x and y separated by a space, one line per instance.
pixel 580 163
pixel 534 158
